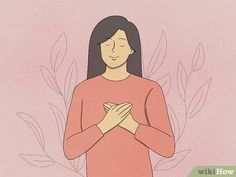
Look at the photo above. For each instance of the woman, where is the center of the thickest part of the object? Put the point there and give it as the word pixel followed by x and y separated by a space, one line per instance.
pixel 115 115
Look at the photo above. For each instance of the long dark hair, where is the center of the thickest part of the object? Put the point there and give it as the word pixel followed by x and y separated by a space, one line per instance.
pixel 105 29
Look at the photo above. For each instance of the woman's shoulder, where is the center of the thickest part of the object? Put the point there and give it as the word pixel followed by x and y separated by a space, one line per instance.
pixel 146 81
pixel 151 86
pixel 87 83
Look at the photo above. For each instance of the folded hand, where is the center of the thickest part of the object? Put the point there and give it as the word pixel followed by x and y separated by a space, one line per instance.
pixel 128 123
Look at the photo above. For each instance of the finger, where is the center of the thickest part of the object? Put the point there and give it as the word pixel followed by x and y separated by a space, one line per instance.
pixel 106 106
pixel 124 108
pixel 119 106
pixel 109 103
pixel 127 109
pixel 125 115
pixel 113 107
pixel 106 109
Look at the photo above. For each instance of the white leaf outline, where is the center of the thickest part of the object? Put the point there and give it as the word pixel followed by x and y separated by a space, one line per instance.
pixel 33 124
pixel 60 120
pixel 181 80
pixel 175 122
pixel 58 52
pixel 165 82
pixel 176 159
pixel 198 58
pixel 49 79
pixel 80 161
pixel 158 56
pixel 198 99
pixel 70 81
pixel 38 160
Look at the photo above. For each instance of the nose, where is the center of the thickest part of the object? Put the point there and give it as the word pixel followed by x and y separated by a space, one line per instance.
pixel 113 47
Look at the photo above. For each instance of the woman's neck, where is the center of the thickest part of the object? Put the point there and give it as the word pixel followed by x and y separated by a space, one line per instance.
pixel 119 73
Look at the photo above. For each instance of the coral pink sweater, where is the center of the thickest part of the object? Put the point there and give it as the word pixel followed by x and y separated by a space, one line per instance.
pixel 118 153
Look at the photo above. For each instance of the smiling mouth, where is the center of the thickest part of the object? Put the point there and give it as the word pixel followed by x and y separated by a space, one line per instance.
pixel 113 58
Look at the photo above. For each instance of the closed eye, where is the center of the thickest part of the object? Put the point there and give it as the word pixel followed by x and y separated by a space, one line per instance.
pixel 107 45
pixel 122 45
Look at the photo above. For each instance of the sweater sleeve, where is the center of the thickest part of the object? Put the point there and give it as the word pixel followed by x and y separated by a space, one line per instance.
pixel 78 141
pixel 158 135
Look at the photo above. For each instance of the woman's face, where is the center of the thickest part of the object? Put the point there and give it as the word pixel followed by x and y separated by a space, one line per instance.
pixel 116 50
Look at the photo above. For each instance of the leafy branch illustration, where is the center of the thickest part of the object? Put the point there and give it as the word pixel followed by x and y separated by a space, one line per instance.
pixel 191 109
pixel 57 57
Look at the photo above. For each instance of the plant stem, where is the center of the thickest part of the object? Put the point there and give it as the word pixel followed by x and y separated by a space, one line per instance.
pixel 54 75
pixel 185 107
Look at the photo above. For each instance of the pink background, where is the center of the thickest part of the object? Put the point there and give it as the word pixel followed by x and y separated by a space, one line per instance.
pixel 29 28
